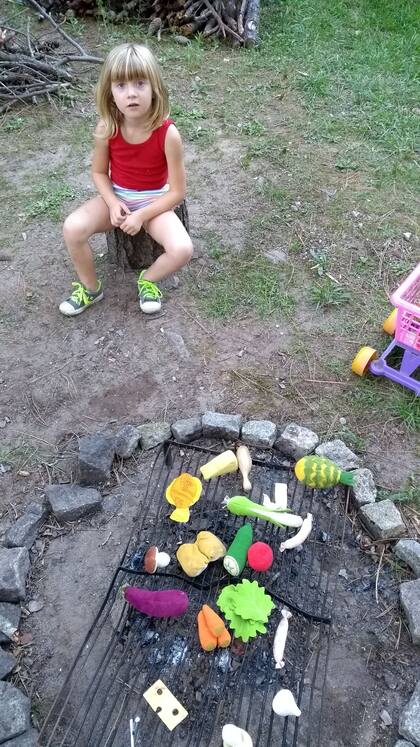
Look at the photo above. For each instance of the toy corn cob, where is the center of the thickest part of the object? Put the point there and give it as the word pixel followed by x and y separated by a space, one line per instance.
pixel 235 558
pixel 320 472
pixel 220 465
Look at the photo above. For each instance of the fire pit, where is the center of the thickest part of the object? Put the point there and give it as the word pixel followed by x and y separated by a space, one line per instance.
pixel 125 652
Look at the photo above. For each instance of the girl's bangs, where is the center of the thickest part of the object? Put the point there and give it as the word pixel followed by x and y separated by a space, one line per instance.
pixel 129 67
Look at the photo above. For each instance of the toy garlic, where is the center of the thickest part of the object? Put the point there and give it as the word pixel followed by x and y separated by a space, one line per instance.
pixel 245 464
pixel 284 704
pixel 300 537
pixel 233 736
pixel 280 638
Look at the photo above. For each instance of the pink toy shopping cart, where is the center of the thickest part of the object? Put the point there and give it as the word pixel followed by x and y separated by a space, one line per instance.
pixel 400 361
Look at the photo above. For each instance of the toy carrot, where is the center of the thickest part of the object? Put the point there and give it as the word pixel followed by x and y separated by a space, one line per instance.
pixel 208 641
pixel 224 639
pixel 214 623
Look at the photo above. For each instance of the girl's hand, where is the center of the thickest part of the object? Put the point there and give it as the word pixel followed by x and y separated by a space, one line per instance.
pixel 118 212
pixel 132 223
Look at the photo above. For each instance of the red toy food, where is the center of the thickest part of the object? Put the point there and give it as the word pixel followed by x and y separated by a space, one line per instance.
pixel 167 603
pixel 260 556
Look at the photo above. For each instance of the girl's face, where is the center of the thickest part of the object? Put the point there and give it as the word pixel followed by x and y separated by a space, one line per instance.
pixel 133 98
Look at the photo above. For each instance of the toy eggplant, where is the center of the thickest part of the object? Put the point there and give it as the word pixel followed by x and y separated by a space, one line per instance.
pixel 220 465
pixel 320 472
pixel 167 603
pixel 235 558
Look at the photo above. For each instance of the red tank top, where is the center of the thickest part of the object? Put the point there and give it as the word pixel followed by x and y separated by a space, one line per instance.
pixel 142 166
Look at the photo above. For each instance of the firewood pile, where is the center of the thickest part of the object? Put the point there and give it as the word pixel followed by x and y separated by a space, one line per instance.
pixel 33 67
pixel 234 20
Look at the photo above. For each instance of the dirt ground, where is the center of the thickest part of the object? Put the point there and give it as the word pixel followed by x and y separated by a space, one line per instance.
pixel 62 378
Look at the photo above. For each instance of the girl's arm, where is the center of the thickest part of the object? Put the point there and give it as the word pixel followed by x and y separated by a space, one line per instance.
pixel 176 177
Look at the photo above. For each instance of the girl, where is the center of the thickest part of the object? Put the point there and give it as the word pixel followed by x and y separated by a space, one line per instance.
pixel 138 170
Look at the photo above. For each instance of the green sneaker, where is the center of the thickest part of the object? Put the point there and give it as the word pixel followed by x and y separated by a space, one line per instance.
pixel 149 295
pixel 80 299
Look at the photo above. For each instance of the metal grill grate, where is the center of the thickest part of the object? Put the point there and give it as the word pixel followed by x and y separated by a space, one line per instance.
pixel 125 652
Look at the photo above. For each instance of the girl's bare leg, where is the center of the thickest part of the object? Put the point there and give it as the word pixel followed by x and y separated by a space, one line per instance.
pixel 90 218
pixel 168 231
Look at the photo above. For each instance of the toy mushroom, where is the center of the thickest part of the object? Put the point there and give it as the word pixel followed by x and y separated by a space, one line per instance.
pixel 154 559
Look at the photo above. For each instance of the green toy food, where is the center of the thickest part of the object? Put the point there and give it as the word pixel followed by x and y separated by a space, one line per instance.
pixel 235 558
pixel 320 472
pixel 247 607
pixel 242 506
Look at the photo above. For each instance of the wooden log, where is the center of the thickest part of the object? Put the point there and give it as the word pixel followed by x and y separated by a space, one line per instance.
pixel 139 251
pixel 251 23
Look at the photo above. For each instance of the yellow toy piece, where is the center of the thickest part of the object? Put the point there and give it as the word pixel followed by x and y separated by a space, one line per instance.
pixel 182 493
pixel 191 560
pixel 210 546
pixel 364 357
pixel 220 465
pixel 390 323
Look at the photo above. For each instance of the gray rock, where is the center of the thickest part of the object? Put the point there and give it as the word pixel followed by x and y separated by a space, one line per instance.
pixel 277 256
pixel 364 489
pixel 14 709
pixel 24 531
pixel 410 602
pixel 339 453
pixel 28 739
pixel 259 433
pixel 410 717
pixel 153 434
pixel 403 743
pixel 383 520
pixel 296 441
pixel 7 663
pixel 96 454
pixel 14 567
pixel 9 620
pixel 178 344
pixel 408 550
pixel 385 717
pixel 219 425
pixel 187 430
pixel 71 502
pixel 126 441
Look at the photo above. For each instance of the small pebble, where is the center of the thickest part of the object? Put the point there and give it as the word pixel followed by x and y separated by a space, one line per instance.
pixel 386 718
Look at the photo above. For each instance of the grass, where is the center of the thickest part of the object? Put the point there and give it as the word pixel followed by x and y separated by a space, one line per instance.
pixel 243 283
pixel 409 493
pixel 388 400
pixel 49 199
pixel 20 455
pixel 327 293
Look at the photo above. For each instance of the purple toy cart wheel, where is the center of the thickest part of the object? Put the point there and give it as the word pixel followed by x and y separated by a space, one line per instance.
pixel 408 369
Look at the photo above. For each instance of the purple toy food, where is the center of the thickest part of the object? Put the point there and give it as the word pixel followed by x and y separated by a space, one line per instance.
pixel 167 603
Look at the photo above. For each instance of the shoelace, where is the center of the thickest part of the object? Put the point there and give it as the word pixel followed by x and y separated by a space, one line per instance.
pixel 80 294
pixel 148 288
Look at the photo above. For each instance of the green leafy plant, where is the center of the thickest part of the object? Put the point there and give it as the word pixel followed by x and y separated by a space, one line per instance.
pixel 329 293
pixel 247 607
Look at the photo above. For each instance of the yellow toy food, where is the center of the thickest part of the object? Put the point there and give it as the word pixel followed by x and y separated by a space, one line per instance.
pixel 220 465
pixel 210 546
pixel 182 493
pixel 191 560
pixel 195 557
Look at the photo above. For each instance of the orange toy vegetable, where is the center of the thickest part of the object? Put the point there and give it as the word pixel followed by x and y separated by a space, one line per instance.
pixel 214 623
pixel 207 639
pixel 224 639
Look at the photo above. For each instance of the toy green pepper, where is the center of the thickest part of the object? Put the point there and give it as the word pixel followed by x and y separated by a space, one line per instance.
pixel 235 558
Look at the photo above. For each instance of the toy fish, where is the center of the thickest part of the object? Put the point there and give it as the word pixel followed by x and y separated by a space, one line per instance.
pixel 182 493
pixel 320 472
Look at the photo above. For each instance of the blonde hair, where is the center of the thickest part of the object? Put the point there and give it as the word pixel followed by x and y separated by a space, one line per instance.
pixel 130 62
